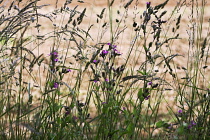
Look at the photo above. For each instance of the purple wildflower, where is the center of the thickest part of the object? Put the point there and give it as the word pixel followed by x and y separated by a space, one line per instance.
pixel 107 80
pixel 95 81
pixel 193 123
pixel 68 70
pixel 74 118
pixel 67 113
pixel 55 54
pixel 148 4
pixel 180 111
pixel 189 126
pixel 147 98
pixel 55 85
pixel 114 46
pixel 149 83
pixel 124 108
pixel 103 103
pixel 170 127
pixel 95 61
pixel 116 52
pixel 104 53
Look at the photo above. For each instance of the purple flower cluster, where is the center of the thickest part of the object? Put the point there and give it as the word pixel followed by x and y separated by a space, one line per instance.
pixel 54 56
pixel 104 53
pixel 112 46
pixel 192 123
pixel 114 50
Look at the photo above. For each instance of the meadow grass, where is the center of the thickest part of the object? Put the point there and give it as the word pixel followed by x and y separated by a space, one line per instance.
pixel 110 78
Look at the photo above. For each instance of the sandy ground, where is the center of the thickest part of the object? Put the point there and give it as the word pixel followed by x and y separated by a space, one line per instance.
pixel 101 35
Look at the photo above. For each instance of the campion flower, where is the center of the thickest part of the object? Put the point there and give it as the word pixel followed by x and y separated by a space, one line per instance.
pixel 64 70
pixel 68 70
pixel 103 103
pixel 148 4
pixel 55 85
pixel 149 83
pixel 95 61
pixel 180 111
pixel 147 98
pixel 112 46
pixel 54 56
pixel 104 53
pixel 192 123
pixel 116 52
pixel 67 113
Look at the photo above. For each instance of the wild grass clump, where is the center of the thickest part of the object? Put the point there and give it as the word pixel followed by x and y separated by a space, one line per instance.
pixel 117 77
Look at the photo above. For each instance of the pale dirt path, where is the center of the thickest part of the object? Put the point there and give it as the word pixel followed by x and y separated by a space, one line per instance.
pixel 95 7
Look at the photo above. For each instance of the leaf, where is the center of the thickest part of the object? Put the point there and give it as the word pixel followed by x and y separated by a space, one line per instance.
pixel 132 77
pixel 130 128
pixel 180 130
pixel 140 94
pixel 160 124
